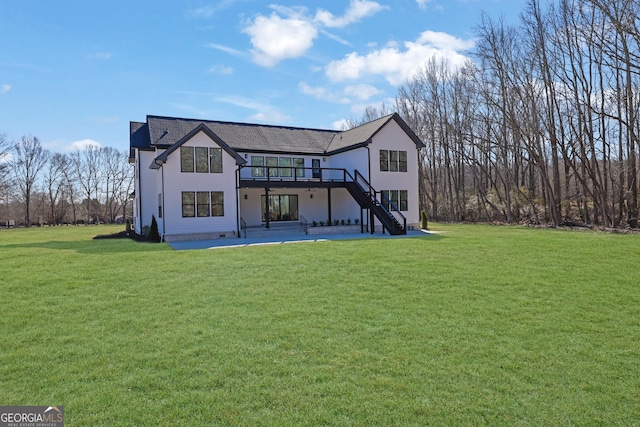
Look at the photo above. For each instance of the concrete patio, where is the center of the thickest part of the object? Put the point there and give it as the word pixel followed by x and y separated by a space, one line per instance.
pixel 284 237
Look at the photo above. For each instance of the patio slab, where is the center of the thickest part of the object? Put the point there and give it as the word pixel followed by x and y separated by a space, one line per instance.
pixel 238 242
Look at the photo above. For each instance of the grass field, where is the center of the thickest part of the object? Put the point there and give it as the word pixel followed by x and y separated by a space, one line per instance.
pixel 479 325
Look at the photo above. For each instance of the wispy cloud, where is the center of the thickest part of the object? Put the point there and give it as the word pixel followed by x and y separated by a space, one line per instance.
pixel 322 93
pixel 5 88
pixel 357 10
pixel 100 55
pixel 221 69
pixel 263 112
pixel 208 11
pixel 224 48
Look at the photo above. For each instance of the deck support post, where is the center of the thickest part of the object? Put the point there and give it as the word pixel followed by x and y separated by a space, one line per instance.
pixel 329 204
pixel 267 214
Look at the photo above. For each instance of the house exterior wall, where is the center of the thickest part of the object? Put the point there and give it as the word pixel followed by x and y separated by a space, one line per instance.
pixel 146 190
pixel 392 137
pixel 357 159
pixel 175 182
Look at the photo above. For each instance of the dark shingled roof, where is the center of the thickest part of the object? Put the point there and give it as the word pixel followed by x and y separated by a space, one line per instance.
pixel 166 132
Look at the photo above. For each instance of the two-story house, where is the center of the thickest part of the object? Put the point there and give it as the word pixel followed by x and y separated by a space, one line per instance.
pixel 210 179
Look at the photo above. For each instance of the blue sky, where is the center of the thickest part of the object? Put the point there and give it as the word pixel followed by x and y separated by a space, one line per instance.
pixel 77 72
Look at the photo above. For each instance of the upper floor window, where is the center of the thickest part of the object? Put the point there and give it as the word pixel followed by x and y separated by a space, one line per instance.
pixel 201 159
pixel 277 166
pixel 393 161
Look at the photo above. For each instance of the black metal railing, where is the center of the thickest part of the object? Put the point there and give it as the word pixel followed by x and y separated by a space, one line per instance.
pixel 295 174
pixel 304 223
pixel 386 211
pixel 243 228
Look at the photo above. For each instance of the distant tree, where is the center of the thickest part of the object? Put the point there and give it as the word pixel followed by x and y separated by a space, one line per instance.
pixel 5 157
pixel 30 158
pixel 54 183
pixel 87 167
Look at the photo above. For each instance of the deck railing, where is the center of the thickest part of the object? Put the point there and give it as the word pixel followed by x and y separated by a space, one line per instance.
pixel 277 173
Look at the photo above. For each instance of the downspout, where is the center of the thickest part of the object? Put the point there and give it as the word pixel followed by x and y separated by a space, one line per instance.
pixel 238 199
pixel 139 196
pixel 371 217
pixel 164 213
pixel 164 208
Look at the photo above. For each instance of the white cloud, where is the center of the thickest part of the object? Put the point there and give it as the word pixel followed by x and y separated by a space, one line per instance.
pixel 341 124
pixel 221 69
pixel 270 117
pixel 397 65
pixel 275 38
pixel 423 3
pixel 289 32
pixel 5 88
pixel 83 145
pixel 362 91
pixel 357 10
pixel 322 93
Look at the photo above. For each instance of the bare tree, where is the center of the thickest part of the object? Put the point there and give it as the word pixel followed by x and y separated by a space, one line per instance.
pixel 30 159
pixel 54 183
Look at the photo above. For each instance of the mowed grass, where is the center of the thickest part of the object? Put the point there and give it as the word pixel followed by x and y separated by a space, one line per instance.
pixel 478 325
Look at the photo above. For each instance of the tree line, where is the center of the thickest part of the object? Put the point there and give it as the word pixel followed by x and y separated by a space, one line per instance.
pixel 39 187
pixel 541 126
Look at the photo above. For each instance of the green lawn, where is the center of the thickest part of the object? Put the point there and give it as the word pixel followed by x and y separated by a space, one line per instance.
pixel 478 325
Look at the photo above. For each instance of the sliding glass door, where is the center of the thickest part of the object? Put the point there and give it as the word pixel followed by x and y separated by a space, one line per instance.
pixel 282 207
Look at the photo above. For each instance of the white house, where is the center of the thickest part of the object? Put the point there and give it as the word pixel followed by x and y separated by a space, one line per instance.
pixel 209 179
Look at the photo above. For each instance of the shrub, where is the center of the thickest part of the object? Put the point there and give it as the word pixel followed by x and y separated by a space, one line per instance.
pixel 154 236
pixel 423 220
pixel 314 224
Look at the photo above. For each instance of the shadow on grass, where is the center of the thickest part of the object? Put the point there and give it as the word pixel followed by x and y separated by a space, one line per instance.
pixel 98 246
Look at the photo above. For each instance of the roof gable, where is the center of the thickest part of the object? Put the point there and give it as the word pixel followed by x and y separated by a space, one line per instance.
pixel 162 158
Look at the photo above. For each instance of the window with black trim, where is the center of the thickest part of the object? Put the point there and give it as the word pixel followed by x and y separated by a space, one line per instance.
pixel 215 155
pixel 257 166
pixel 186 159
pixel 298 163
pixel 272 166
pixel 393 161
pixel 399 198
pixel 217 203
pixel 201 159
pixel 188 204
pixel 202 204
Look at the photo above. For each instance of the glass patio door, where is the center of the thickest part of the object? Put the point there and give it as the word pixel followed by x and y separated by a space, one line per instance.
pixel 282 207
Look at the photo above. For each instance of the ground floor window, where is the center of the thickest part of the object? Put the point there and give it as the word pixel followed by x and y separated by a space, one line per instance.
pixel 202 203
pixel 399 198
pixel 282 207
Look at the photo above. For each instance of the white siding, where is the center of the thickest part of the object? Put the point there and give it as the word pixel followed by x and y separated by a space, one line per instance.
pixel 392 137
pixel 175 182
pixel 148 191
pixel 357 159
